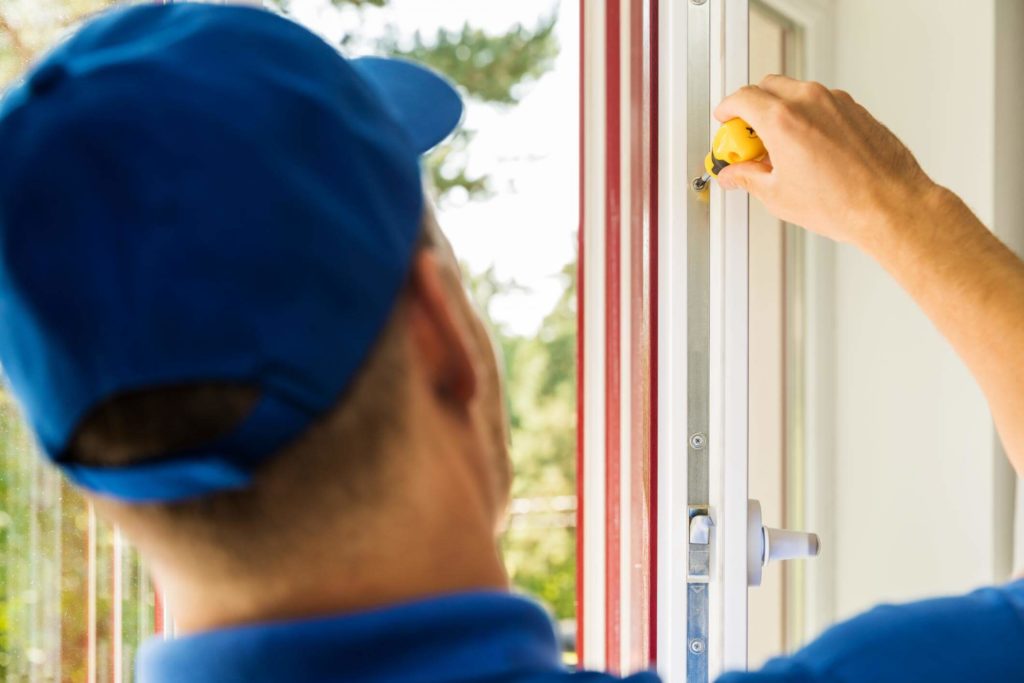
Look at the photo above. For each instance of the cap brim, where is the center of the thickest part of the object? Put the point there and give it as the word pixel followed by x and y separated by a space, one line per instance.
pixel 425 104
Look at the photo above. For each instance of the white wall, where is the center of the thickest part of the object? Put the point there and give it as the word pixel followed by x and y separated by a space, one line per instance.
pixel 923 496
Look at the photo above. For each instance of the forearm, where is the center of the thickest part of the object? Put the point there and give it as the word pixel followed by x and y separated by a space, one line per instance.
pixel 972 288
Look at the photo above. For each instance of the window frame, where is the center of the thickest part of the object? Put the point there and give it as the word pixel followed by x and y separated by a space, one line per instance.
pixel 615 37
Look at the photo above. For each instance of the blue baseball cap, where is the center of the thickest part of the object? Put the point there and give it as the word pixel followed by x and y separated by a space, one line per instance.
pixel 196 193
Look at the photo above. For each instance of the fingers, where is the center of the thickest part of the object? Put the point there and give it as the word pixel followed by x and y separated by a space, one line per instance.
pixel 750 103
pixel 792 90
pixel 752 176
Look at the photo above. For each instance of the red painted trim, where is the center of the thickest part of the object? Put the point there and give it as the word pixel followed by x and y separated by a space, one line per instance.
pixel 580 318
pixel 637 506
pixel 652 127
pixel 158 611
pixel 613 174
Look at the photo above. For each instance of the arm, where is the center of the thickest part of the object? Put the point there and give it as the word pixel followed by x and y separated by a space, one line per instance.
pixel 837 171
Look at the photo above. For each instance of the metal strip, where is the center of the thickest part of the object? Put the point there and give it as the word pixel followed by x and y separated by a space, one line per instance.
pixel 698 316
pixel 697 633
pixel 698 250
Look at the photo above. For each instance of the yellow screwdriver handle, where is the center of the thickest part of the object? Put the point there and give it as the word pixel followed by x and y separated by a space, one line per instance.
pixel 734 143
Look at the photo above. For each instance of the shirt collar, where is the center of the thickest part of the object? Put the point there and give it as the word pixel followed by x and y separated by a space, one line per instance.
pixel 466 636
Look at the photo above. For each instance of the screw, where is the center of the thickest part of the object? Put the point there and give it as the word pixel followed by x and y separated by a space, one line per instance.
pixel 696 646
pixel 698 441
pixel 698 184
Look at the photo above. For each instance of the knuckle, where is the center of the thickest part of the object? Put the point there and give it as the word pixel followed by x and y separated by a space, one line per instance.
pixel 843 96
pixel 816 92
pixel 781 116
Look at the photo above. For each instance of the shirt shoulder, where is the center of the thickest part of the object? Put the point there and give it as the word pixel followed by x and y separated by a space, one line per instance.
pixel 977 637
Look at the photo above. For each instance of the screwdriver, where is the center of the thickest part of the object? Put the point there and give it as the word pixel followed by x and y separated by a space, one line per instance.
pixel 734 143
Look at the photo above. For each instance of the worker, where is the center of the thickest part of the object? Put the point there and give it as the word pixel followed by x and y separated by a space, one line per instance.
pixel 230 317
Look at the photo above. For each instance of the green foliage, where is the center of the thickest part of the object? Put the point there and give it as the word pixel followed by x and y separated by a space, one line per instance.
pixel 490 68
pixel 540 374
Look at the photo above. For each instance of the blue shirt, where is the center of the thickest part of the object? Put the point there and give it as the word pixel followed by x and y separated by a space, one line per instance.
pixel 975 638
pixel 501 638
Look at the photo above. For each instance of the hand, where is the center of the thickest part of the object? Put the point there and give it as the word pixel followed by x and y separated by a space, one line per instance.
pixel 832 167
pixel 837 171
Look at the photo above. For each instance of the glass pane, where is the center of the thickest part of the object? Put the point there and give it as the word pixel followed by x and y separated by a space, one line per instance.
pixel 506 192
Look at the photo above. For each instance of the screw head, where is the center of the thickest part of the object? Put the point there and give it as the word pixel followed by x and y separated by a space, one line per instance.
pixel 698 184
pixel 698 441
pixel 696 646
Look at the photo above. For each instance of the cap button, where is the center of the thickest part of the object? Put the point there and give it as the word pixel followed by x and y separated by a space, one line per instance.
pixel 47 78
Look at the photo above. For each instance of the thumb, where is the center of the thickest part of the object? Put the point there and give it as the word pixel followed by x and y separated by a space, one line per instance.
pixel 751 176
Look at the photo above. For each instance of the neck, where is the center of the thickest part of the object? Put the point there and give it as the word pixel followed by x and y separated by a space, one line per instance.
pixel 416 549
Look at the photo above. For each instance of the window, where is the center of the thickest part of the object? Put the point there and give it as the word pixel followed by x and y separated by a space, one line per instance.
pixel 834 398
pixel 670 274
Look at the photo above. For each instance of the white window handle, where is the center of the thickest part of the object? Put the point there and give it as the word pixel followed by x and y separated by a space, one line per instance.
pixel 765 545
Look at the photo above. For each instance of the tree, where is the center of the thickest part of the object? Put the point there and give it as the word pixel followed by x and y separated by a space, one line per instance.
pixel 542 557
pixel 540 372
pixel 489 68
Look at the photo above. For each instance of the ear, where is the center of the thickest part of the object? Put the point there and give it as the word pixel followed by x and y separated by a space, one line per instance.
pixel 439 334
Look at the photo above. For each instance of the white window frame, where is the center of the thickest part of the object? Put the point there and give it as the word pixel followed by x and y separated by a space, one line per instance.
pixel 683 138
pixel 683 152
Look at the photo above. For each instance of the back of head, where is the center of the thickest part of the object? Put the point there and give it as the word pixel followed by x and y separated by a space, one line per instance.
pixel 335 473
pixel 207 219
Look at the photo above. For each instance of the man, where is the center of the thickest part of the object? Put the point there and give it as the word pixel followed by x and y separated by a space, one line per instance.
pixel 229 317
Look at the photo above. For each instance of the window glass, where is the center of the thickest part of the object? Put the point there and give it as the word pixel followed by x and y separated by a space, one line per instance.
pixel 506 188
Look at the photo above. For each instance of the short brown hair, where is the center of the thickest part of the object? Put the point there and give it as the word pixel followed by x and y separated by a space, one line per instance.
pixel 337 461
